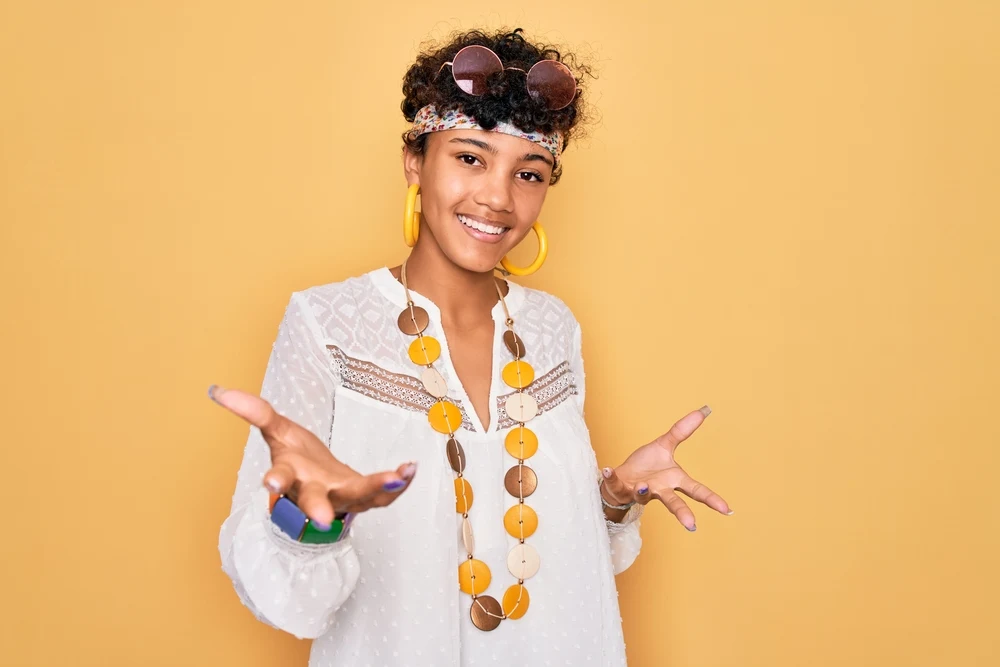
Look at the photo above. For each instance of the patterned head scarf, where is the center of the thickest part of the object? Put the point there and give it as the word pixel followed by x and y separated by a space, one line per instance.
pixel 429 120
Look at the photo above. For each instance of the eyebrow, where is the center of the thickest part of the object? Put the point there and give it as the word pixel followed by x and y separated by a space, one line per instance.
pixel 528 157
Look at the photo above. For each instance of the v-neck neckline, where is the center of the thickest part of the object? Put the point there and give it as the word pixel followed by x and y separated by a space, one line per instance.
pixel 393 290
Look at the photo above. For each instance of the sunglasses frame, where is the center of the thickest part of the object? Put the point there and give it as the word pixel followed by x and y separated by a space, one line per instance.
pixel 532 90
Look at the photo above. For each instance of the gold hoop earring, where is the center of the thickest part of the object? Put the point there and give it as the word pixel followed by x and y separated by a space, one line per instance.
pixel 411 216
pixel 543 251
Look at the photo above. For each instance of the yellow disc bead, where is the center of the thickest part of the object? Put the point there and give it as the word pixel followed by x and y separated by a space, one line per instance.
pixel 520 521
pixel 518 374
pixel 474 576
pixel 521 442
pixel 463 495
pixel 515 601
pixel 445 417
pixel 425 350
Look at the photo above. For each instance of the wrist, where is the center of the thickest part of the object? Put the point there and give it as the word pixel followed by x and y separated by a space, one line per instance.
pixel 631 517
pixel 614 510
pixel 614 515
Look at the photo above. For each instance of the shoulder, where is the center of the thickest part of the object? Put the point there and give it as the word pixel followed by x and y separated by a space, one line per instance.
pixel 349 313
pixel 539 303
pixel 324 298
pixel 549 320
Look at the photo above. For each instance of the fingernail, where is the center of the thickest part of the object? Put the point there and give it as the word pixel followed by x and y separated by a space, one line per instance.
pixel 643 490
pixel 409 471
pixel 320 526
pixel 705 410
pixel 730 512
pixel 215 391
pixel 272 484
pixel 692 528
pixel 394 485
pixel 607 473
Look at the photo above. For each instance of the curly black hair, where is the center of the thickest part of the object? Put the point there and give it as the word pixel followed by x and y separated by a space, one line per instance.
pixel 507 99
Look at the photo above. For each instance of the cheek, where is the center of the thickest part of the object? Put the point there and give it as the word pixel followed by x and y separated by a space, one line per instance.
pixel 447 194
pixel 530 209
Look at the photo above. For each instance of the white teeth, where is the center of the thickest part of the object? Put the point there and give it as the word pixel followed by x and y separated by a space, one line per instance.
pixel 489 229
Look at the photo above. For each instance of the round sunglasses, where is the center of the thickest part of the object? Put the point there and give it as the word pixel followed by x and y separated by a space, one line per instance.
pixel 548 80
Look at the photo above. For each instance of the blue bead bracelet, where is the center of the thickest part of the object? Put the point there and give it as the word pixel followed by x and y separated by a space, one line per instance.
pixel 293 522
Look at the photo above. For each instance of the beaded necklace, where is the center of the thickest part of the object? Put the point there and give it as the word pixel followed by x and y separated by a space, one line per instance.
pixel 520 521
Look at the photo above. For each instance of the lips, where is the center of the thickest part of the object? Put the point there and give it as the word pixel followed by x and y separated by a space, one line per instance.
pixel 482 230
pixel 482 224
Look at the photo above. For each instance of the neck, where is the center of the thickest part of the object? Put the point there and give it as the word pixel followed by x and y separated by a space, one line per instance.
pixel 465 298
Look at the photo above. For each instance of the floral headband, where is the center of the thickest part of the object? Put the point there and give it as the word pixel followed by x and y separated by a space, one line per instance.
pixel 429 120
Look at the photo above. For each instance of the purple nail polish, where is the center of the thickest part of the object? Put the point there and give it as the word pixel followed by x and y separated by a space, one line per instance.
pixel 394 485
pixel 643 490
pixel 215 391
pixel 320 526
pixel 693 528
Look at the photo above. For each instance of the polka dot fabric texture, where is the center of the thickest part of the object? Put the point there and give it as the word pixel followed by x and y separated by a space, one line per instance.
pixel 388 595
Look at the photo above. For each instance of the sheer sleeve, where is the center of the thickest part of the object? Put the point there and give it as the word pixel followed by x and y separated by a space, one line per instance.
pixel 291 586
pixel 624 536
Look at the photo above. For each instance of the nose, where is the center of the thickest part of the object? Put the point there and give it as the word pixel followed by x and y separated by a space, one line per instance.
pixel 496 192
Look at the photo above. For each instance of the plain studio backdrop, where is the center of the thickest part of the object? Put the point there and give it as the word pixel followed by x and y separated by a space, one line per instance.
pixel 785 210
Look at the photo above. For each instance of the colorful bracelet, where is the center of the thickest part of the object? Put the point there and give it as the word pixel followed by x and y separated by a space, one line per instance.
pixel 293 522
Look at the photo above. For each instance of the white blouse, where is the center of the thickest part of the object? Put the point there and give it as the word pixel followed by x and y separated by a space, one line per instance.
pixel 388 595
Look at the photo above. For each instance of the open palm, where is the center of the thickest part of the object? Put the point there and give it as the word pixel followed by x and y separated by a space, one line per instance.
pixel 652 471
pixel 305 469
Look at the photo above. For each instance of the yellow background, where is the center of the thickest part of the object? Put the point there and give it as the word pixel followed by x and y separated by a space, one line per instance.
pixel 786 210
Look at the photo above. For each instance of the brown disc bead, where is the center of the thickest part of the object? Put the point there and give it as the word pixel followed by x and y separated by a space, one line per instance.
pixel 412 324
pixel 456 455
pixel 513 343
pixel 520 481
pixel 486 613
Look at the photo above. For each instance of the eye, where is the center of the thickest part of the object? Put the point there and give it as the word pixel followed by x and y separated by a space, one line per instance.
pixel 468 159
pixel 529 175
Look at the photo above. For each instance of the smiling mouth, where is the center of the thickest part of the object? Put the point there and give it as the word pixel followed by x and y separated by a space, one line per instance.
pixel 479 226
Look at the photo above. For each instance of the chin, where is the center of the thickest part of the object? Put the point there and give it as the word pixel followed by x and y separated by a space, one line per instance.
pixel 480 265
pixel 475 261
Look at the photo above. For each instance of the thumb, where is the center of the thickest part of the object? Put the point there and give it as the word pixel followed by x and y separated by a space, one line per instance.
pixel 614 490
pixel 252 409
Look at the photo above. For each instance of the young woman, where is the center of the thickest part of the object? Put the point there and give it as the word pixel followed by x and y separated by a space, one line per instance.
pixel 422 426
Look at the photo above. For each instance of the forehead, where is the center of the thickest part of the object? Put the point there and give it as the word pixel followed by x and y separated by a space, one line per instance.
pixel 503 143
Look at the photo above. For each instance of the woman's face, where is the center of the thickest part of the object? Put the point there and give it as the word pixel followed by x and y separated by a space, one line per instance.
pixel 480 193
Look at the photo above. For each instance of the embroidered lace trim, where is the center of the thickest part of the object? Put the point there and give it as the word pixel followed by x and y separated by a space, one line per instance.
pixel 407 392
pixel 373 381
pixel 548 390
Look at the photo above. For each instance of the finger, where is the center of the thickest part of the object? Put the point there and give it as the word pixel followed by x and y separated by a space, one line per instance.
pixel 641 494
pixel 685 426
pixel 614 489
pixel 407 470
pixel 394 488
pixel 390 491
pixel 362 489
pixel 692 488
pixel 280 478
pixel 677 507
pixel 253 409
pixel 313 501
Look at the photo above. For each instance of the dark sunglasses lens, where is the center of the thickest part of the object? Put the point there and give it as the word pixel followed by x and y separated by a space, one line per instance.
pixel 553 82
pixel 472 66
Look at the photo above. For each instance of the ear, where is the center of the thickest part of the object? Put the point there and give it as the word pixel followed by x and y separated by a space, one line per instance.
pixel 411 166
